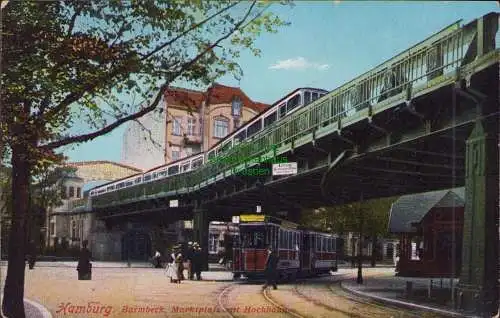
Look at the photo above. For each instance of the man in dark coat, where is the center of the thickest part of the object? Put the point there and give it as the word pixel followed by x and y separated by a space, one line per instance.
pixel 271 268
pixel 197 261
pixel 84 267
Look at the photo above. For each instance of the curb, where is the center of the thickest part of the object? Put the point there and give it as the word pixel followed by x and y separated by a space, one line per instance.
pixel 44 311
pixel 407 305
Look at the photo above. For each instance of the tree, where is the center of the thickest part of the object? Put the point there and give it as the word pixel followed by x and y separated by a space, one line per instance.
pixel 367 218
pixel 105 63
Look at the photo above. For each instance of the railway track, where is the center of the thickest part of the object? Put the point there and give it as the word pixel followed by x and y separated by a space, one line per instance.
pixel 268 305
pixel 316 299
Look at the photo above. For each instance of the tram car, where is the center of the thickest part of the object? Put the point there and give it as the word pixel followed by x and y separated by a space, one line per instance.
pixel 301 252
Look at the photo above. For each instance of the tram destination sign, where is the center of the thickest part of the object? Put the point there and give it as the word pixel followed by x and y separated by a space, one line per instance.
pixel 283 169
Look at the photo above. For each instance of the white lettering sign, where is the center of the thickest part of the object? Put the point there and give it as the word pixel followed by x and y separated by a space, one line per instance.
pixel 282 169
pixel 174 203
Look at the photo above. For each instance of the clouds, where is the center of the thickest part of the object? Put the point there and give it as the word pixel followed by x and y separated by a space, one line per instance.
pixel 298 63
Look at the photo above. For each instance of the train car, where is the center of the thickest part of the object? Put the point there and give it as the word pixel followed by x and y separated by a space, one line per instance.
pixel 301 252
pixel 279 110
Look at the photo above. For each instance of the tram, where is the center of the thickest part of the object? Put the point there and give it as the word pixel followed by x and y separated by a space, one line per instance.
pixel 301 252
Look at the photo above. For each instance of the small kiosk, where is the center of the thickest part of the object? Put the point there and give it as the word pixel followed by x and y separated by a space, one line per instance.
pixel 429 226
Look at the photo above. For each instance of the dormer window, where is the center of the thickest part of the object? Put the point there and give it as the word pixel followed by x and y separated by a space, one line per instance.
pixel 236 106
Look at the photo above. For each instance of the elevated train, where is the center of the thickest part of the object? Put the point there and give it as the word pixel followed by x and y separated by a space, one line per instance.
pixel 279 110
pixel 301 252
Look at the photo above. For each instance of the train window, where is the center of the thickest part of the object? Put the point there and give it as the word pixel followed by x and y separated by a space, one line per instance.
pixel 290 240
pixel 120 185
pixel 211 154
pixel 185 167
pixel 270 119
pixel 282 110
pixel 314 96
pixel 318 243
pixel 129 183
pixel 282 239
pixel 307 97
pixel 110 188
pixel 241 135
pixel 162 173
pixel 253 237
pixel 147 177
pixel 138 180
pixel 196 163
pixel 173 170
pixel 254 128
pixel 293 103
pixel 225 147
pixel 155 175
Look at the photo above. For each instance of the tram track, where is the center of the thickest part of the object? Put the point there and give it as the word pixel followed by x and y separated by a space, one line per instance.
pixel 224 303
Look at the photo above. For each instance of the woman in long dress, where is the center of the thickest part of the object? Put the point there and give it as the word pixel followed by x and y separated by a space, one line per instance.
pixel 172 269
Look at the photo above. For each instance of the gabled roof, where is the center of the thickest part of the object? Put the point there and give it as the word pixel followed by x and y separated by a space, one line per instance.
pixel 215 94
pixel 412 208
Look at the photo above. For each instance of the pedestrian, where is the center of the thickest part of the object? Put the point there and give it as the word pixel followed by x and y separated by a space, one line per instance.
pixel 271 271
pixel 84 267
pixel 157 259
pixel 178 261
pixel 189 258
pixel 31 254
pixel 197 261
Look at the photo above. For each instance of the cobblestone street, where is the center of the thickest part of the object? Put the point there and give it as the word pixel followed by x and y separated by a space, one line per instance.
pixel 147 292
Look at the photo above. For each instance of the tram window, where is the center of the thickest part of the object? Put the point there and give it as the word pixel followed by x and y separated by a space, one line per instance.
pixel 147 177
pixel 282 110
pixel 129 183
pixel 155 175
pixel 196 164
pixel 306 242
pixel 290 240
pixel 270 119
pixel 173 170
pixel 314 96
pixel 318 243
pixel 185 167
pixel 307 98
pixel 254 128
pixel 293 102
pixel 138 180
pixel 253 237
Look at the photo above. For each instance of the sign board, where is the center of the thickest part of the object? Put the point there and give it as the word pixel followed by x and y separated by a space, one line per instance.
pixel 236 219
pixel 252 218
pixel 174 203
pixel 282 169
pixel 258 209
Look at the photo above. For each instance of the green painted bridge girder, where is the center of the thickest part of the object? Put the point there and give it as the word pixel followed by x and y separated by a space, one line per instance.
pixel 452 55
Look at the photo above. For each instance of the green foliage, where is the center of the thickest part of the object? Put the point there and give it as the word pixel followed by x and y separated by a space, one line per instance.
pixel 373 214
pixel 68 61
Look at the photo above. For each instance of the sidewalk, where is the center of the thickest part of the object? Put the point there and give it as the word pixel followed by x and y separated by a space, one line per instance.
pixel 390 289
pixel 34 310
pixel 102 264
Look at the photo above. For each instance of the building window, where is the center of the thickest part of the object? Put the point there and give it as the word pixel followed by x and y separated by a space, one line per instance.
pixel 176 126
pixel 236 106
pixel 176 153
pixel 78 192
pixel 221 127
pixel 212 248
pixel 52 230
pixel 71 192
pixel 191 126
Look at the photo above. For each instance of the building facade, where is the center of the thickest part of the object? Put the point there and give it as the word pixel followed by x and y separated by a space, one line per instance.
pixel 192 121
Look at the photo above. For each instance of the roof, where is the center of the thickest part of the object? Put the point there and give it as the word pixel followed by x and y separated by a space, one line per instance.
pixel 216 94
pixel 412 208
pixel 86 163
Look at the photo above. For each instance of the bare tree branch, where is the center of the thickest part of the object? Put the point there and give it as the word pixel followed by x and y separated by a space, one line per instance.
pixel 187 65
pixel 193 27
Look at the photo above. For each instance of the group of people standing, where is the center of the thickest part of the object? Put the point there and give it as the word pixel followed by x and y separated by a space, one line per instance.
pixel 175 268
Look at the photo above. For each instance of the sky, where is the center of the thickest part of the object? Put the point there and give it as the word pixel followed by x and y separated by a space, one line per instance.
pixel 327 44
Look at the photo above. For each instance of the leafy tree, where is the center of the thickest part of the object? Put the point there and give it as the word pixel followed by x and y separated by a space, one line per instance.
pixel 103 63
pixel 367 218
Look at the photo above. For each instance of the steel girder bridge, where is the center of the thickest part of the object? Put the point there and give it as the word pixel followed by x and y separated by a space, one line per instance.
pixel 427 119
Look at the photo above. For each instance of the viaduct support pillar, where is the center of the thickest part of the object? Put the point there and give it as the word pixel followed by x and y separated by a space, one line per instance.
pixel 478 287
pixel 200 227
